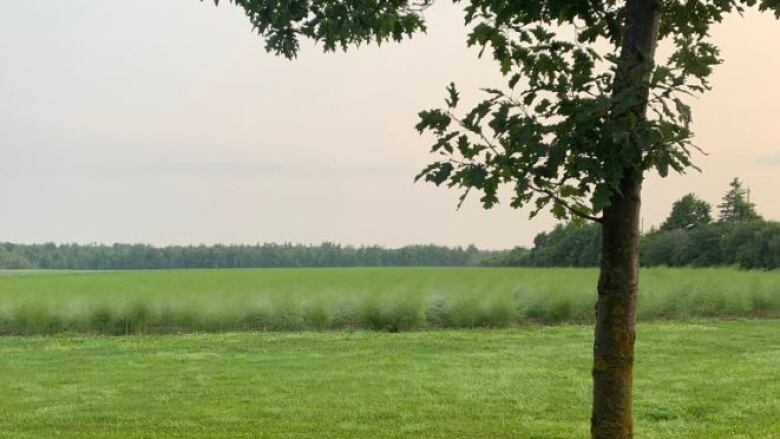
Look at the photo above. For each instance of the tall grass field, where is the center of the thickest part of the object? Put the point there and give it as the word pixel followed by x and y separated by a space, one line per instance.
pixel 389 299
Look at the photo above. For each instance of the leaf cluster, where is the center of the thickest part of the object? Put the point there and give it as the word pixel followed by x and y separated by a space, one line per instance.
pixel 561 133
pixel 334 24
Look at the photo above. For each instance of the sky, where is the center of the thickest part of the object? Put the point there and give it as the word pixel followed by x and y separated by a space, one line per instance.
pixel 168 123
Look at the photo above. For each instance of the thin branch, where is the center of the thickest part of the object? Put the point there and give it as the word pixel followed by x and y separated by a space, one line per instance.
pixel 566 205
pixel 698 148
pixel 463 198
pixel 479 132
pixel 421 6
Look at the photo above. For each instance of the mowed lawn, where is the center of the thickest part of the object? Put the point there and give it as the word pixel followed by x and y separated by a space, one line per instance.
pixel 706 379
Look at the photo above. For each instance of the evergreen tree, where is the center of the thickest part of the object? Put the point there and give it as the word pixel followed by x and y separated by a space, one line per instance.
pixel 736 206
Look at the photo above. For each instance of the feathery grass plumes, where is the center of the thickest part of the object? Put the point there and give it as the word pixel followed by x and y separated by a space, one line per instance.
pixel 386 299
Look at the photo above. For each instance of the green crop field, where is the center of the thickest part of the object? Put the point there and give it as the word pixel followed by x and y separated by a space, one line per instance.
pixel 709 379
pixel 165 301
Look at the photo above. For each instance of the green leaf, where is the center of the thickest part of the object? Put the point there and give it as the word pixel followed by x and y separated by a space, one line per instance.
pixel 435 120
pixel 558 210
pixel 454 96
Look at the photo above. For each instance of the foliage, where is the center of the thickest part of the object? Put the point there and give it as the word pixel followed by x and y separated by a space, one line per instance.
pixel 688 211
pixel 516 257
pixel 140 256
pixel 736 205
pixel 334 24
pixel 567 245
pixel 385 299
pixel 753 244
pixel 749 245
pixel 566 129
pixel 668 248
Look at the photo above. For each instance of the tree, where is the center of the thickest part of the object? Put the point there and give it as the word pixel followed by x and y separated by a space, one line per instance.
pixel 568 245
pixel 665 248
pixel 736 207
pixel 578 133
pixel 754 244
pixel 688 211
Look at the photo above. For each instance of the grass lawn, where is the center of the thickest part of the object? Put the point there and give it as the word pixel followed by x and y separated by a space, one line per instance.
pixel 706 379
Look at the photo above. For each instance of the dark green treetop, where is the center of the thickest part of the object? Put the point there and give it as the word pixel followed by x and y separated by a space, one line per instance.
pixel 687 212
pixel 736 206
pixel 560 134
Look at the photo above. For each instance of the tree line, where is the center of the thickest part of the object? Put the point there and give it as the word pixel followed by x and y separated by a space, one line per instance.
pixel 142 256
pixel 688 237
pixel 749 244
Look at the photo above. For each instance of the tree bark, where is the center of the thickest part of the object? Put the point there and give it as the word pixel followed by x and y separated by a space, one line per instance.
pixel 613 350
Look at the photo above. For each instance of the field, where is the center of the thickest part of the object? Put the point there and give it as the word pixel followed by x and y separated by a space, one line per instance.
pixel 711 379
pixel 389 299
pixel 482 353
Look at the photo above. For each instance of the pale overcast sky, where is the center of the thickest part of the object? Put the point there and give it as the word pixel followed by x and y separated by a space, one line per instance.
pixel 166 122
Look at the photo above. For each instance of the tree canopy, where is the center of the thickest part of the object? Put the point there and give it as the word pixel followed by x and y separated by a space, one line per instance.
pixel 566 135
pixel 688 211
pixel 562 132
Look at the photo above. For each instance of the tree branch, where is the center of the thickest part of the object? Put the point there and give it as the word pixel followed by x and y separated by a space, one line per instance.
pixel 566 205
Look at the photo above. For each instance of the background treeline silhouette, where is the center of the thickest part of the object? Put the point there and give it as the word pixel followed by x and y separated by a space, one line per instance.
pixel 749 244
pixel 688 237
pixel 141 256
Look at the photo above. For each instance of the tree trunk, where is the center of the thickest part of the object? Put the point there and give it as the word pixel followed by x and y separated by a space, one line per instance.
pixel 613 350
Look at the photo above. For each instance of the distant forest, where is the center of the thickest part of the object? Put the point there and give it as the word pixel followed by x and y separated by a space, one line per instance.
pixel 749 244
pixel 688 237
pixel 141 256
